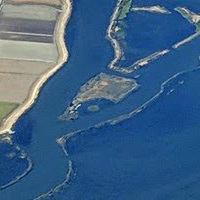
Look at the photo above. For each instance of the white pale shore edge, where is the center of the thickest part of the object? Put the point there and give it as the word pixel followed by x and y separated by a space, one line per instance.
pixel 186 40
pixel 118 53
pixel 114 42
pixel 6 127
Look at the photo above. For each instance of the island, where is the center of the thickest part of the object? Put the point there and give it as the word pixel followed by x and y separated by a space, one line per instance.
pixel 154 9
pixel 103 86
pixel 32 49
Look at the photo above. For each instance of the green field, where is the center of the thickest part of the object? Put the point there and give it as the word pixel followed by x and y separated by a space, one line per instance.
pixel 5 109
pixel 125 10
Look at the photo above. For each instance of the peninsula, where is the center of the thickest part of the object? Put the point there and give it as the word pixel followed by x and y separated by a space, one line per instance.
pixel 32 49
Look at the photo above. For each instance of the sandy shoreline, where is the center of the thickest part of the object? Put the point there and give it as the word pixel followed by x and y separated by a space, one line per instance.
pixel 118 53
pixel 6 127
pixel 114 42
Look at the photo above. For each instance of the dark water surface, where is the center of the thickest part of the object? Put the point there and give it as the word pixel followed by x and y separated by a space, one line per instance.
pixel 146 33
pixel 152 155
pixel 37 130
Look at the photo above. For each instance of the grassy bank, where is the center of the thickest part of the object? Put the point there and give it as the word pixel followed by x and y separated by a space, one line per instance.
pixel 125 9
pixel 5 109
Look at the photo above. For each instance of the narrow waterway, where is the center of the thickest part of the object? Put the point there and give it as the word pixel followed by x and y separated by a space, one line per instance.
pixel 38 129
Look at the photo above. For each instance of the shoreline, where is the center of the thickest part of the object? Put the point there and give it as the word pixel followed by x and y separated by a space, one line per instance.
pixel 118 53
pixel 59 32
pixel 114 42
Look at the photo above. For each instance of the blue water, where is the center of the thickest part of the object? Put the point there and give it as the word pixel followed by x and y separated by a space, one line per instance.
pixel 122 161
pixel 36 131
pixel 146 33
pixel 11 161
pixel 153 155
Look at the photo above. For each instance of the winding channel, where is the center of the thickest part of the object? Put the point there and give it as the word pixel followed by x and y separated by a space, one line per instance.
pixel 90 53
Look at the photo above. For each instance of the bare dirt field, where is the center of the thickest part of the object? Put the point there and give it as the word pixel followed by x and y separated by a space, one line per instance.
pixel 24 67
pixel 32 12
pixel 28 51
pixel 48 2
pixel 14 88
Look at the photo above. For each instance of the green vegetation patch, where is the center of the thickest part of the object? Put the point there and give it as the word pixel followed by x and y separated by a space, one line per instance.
pixel 197 27
pixel 126 6
pixel 5 109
